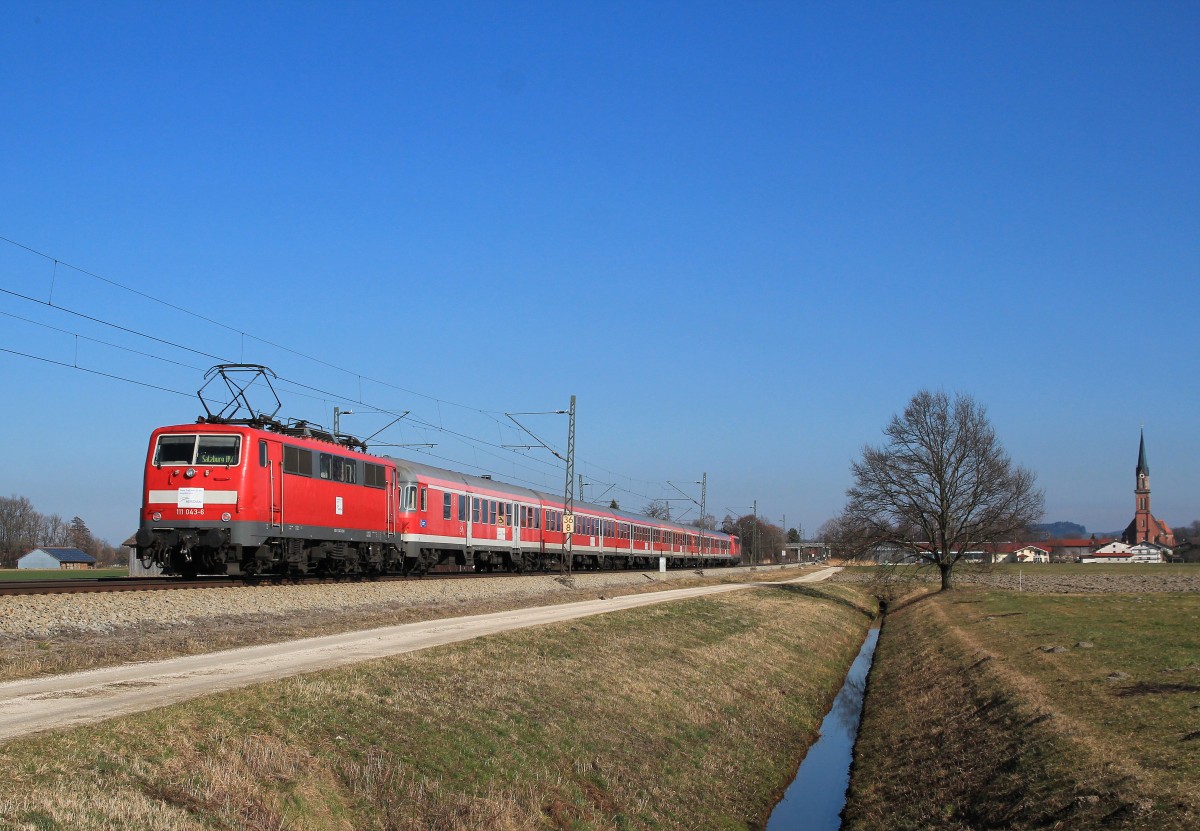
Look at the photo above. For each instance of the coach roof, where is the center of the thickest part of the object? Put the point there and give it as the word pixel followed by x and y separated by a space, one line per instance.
pixel 411 471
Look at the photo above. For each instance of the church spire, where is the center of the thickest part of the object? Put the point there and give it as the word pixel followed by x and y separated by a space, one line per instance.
pixel 1142 467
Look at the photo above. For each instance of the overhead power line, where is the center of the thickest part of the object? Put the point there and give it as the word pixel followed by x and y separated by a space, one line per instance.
pixel 479 445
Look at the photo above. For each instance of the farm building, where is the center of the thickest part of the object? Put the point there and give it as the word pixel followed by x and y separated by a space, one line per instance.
pixel 53 557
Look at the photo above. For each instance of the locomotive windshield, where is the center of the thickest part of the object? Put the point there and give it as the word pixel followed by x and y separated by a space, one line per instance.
pixel 198 450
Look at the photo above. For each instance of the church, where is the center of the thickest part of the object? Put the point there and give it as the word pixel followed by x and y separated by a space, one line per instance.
pixel 1145 527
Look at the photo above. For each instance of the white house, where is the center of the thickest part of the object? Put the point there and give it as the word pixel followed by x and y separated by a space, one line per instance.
pixel 1114 552
pixel 1149 552
pixel 1031 554
pixel 54 557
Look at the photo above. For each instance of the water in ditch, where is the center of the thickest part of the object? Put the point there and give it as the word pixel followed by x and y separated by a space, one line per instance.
pixel 814 800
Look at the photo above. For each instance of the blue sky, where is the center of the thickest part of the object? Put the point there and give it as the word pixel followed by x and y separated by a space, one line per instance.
pixel 742 234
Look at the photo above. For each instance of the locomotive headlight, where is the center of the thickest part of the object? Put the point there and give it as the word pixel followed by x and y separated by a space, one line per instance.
pixel 156 516
pixel 190 472
pixel 225 517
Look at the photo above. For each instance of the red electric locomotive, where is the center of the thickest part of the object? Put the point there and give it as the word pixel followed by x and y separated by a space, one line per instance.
pixel 255 496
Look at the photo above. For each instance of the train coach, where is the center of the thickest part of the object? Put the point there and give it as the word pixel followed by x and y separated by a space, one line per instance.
pixel 261 498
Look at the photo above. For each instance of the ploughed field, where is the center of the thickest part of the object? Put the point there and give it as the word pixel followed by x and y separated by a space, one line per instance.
pixel 1039 577
pixel 1001 709
pixel 684 715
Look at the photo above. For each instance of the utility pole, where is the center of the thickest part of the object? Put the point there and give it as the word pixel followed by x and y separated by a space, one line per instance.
pixel 569 495
pixel 703 502
pixel 568 517
pixel 337 421
pixel 757 558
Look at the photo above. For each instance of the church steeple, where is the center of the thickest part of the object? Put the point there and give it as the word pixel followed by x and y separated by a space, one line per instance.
pixel 1145 526
pixel 1142 468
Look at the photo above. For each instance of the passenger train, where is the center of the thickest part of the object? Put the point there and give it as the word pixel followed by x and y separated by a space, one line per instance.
pixel 256 497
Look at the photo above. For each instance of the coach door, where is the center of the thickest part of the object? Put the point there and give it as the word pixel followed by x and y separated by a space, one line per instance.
pixel 390 476
pixel 270 464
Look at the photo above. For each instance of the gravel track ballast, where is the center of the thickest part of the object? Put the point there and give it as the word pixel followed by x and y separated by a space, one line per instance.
pixel 40 616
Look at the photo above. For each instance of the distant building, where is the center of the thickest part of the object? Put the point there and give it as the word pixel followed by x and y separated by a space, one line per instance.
pixel 805 552
pixel 1071 550
pixel 1031 554
pixel 1119 552
pixel 1145 527
pixel 1149 552
pixel 54 557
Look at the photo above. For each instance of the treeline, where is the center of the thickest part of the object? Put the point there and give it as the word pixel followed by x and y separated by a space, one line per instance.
pixel 23 528
pixel 762 541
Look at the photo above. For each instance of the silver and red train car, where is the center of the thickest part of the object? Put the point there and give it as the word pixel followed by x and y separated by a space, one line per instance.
pixel 262 499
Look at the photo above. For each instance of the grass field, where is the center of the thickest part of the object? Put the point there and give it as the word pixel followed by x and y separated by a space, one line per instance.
pixel 61 574
pixel 1022 710
pixel 688 715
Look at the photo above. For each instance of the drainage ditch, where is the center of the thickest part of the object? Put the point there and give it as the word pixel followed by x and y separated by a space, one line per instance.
pixel 815 798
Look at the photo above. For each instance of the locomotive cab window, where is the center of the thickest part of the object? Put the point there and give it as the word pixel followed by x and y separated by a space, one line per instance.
pixel 218 450
pixel 174 450
pixel 198 450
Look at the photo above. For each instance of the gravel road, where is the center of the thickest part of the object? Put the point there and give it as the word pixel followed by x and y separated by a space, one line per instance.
pixel 40 616
pixel 35 704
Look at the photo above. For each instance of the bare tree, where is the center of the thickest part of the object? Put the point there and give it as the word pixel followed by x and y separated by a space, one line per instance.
pixel 54 531
pixel 762 541
pixel 657 509
pixel 19 527
pixel 940 485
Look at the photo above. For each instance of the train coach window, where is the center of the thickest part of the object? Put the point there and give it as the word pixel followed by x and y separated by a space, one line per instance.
pixel 337 469
pixel 297 460
pixel 462 507
pixel 408 499
pixel 491 512
pixel 475 509
pixel 447 504
pixel 376 476
pixel 262 453
pixel 424 499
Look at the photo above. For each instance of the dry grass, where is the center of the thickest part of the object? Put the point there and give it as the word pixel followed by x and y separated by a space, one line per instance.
pixel 974 720
pixel 689 715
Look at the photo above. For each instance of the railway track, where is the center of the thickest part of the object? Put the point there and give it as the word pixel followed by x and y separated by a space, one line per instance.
pixel 135 584
pixel 110 584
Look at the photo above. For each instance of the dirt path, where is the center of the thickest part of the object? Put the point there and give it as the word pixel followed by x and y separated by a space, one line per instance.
pixel 38 704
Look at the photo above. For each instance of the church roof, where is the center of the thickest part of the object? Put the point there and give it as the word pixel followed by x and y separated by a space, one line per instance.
pixel 1142 466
